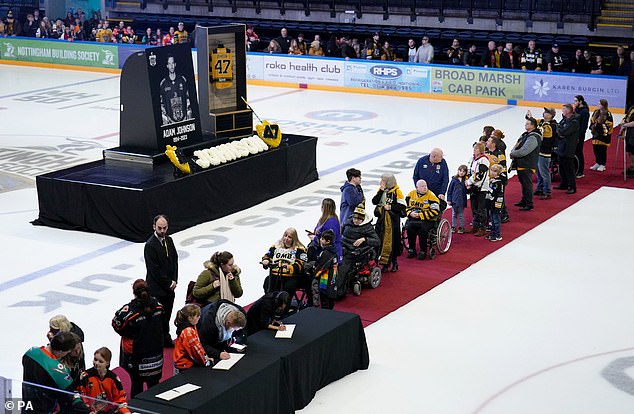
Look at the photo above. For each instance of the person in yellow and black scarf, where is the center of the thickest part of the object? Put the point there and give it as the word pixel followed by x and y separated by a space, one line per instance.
pixel 390 207
pixel 423 209
pixel 285 259
pixel 601 126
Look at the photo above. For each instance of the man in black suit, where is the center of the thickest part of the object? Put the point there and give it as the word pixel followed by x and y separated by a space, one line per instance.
pixel 161 262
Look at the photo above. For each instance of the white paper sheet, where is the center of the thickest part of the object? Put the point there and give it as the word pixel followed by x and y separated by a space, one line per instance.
pixel 177 392
pixel 288 333
pixel 226 364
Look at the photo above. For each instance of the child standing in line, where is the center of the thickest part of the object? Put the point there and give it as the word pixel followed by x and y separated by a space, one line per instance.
pixel 324 283
pixel 495 199
pixel 457 199
pixel 188 351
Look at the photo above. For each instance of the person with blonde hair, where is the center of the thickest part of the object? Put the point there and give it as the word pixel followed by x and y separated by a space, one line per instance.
pixel 390 207
pixel 285 260
pixel 219 280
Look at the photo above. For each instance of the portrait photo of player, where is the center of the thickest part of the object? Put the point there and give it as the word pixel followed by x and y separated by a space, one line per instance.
pixel 175 102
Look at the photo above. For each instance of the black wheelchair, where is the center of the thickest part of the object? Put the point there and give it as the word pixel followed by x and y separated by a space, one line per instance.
pixel 300 297
pixel 361 268
pixel 439 237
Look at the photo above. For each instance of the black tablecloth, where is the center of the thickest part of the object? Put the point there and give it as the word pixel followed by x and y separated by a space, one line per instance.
pixel 120 198
pixel 276 375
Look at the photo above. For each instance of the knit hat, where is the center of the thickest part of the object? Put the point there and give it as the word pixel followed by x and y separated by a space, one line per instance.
pixel 359 212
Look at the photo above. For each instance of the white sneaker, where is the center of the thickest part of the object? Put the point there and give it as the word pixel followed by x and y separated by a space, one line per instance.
pixel 601 168
pixel 595 167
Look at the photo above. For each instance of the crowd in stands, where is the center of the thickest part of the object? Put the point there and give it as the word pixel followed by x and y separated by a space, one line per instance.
pixel 76 26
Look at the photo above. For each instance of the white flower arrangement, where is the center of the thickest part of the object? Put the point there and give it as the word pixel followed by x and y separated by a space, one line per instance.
pixel 233 150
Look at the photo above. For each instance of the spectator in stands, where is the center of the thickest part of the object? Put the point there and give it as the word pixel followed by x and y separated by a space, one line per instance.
pixel 351 194
pixel 357 47
pixel 410 53
pixel 285 260
pixel 425 52
pixel 332 47
pixel 375 50
pixel 587 61
pixel 433 169
pixel 315 48
pixel 181 35
pixel 568 131
pixel 118 32
pixel 347 52
pixel 30 26
pixel 158 37
pixel 597 68
pixel 301 45
pixel 578 64
pixel 104 34
pixel 524 155
pixel 69 19
pixel 621 65
pixel 102 385
pixel 470 57
pixel 12 26
pixel 148 37
pixel 601 126
pixel 508 58
pixel 129 36
pixel 253 40
pixel 95 20
pixel 554 60
pixel 36 16
pixel 284 40
pixel 1 28
pixel 455 52
pixel 274 47
pixel 293 49
pixel 168 39
pixel 491 59
pixel 531 57
pixel 423 208
pixel 387 53
pixel 69 33
pixel 219 280
pixel 43 31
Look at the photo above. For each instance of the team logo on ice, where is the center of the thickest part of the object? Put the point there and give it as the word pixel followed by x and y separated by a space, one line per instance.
pixel 10 49
pixel 541 88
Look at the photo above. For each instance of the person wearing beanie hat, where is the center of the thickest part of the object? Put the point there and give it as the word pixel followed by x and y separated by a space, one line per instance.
pixel 390 207
pixel 140 325
pixel 357 233
pixel 11 25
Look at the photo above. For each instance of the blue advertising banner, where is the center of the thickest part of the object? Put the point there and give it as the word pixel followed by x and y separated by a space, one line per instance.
pixel 561 88
pixel 387 76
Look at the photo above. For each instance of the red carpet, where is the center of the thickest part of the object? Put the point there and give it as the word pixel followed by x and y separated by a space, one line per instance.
pixel 415 277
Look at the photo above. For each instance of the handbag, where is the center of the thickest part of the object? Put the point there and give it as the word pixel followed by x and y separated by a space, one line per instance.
pixel 190 298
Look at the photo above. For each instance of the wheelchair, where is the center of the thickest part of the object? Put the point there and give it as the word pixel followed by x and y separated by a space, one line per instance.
pixel 439 237
pixel 364 270
pixel 299 299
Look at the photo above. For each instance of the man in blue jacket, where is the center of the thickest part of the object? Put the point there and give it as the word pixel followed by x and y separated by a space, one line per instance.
pixel 433 169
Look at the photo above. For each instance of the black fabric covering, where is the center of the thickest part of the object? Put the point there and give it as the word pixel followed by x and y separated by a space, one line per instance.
pixel 276 375
pixel 119 198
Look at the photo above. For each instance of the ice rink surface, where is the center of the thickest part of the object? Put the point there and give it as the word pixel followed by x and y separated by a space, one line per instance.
pixel 540 326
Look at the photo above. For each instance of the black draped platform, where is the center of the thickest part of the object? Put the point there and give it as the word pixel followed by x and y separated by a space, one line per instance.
pixel 120 198
pixel 275 375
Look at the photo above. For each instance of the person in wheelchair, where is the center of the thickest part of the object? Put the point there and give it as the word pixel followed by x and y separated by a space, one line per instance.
pixel 358 236
pixel 423 210
pixel 285 261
